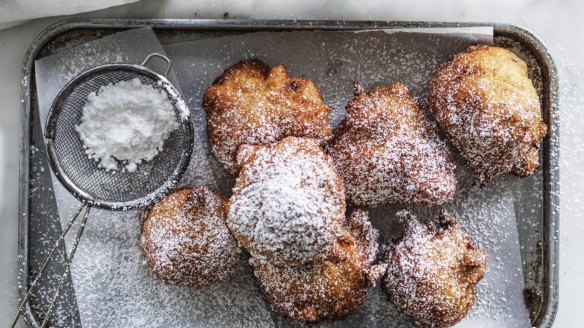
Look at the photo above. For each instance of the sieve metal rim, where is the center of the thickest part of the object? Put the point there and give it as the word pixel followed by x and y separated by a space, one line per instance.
pixel 50 134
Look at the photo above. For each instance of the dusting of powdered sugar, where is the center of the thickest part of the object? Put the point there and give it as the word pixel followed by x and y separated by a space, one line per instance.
pixel 126 123
pixel 287 201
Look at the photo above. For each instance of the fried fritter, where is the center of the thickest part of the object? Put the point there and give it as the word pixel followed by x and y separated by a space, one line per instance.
pixel 186 241
pixel 288 202
pixel 487 105
pixel 432 272
pixel 387 151
pixel 253 104
pixel 325 290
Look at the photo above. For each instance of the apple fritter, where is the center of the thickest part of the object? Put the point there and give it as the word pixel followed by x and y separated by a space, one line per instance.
pixel 387 151
pixel 325 290
pixel 253 104
pixel 485 102
pixel 186 241
pixel 432 272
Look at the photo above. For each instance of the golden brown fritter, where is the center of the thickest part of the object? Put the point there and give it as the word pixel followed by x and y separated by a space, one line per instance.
pixel 387 151
pixel 432 272
pixel 288 202
pixel 253 104
pixel 325 290
pixel 487 105
pixel 185 239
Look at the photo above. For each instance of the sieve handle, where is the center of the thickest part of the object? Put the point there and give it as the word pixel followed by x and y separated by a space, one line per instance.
pixel 163 57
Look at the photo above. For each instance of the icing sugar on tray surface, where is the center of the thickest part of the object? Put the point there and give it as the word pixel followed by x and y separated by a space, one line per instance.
pixel 126 123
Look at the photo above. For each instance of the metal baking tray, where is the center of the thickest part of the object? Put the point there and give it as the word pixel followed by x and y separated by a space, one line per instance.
pixel 37 206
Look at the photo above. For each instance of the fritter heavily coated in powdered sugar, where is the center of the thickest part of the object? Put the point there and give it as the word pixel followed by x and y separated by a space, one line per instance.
pixel 432 272
pixel 487 105
pixel 288 202
pixel 186 241
pixel 328 289
pixel 388 152
pixel 253 104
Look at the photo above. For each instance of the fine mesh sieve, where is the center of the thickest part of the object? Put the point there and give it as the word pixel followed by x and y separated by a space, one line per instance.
pixel 81 175
pixel 94 186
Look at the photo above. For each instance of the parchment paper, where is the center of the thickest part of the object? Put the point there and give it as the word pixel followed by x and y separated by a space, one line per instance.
pixel 114 288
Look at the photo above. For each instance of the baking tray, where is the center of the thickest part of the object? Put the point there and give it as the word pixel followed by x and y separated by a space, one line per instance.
pixel 39 225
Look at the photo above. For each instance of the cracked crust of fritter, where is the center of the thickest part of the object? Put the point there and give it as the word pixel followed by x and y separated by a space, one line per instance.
pixel 432 272
pixel 327 290
pixel 485 102
pixel 387 151
pixel 253 104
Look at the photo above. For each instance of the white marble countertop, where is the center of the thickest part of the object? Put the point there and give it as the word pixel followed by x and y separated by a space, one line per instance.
pixel 557 23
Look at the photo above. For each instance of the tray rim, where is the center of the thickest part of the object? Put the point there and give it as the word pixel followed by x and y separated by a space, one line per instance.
pixel 551 183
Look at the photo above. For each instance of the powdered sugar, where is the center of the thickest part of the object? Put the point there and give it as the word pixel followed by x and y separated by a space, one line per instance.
pixel 287 202
pixel 181 106
pixel 126 123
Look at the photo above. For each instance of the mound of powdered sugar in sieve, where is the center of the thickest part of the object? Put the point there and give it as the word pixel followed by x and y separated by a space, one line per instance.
pixel 126 122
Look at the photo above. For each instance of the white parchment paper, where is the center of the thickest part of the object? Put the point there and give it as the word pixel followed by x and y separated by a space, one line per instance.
pixel 114 288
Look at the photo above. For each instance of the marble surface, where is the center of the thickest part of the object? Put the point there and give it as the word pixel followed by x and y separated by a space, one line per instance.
pixel 558 23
